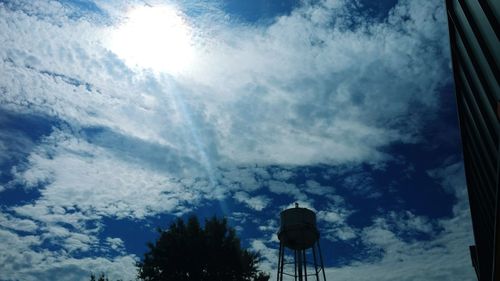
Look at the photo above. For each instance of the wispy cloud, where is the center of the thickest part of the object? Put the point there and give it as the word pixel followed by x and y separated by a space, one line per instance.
pixel 444 257
pixel 257 202
pixel 80 174
pixel 312 85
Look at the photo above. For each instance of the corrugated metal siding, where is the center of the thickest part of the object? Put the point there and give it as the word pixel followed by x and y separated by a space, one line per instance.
pixel 474 36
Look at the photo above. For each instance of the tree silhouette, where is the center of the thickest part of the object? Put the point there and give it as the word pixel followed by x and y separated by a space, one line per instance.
pixel 102 277
pixel 188 252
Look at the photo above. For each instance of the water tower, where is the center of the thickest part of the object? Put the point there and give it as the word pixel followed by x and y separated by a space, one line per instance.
pixel 300 237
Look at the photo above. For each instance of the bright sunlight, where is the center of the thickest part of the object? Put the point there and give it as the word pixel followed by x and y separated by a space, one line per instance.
pixel 156 38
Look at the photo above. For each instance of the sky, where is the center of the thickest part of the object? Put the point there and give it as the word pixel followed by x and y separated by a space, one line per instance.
pixel 116 117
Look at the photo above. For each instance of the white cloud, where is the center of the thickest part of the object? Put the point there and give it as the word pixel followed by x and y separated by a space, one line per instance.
pixel 279 187
pixel 22 260
pixel 28 257
pixel 331 217
pixel 407 221
pixel 257 203
pixel 452 178
pixel 268 254
pixel 360 182
pixel 313 187
pixel 318 93
pixel 444 256
pixel 293 121
pixel 270 226
pixel 116 244
pixel 241 178
pixel 17 224
pixel 333 223
pixel 91 179
pixel 282 174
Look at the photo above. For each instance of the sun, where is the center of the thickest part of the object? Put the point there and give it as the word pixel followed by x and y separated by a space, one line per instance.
pixel 154 37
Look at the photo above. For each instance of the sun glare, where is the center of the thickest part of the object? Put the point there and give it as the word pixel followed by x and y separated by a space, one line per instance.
pixel 156 38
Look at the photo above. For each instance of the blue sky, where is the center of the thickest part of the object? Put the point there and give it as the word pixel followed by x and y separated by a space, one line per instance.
pixel 117 117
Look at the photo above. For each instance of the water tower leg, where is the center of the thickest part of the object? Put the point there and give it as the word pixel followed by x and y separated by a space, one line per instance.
pixel 279 264
pixel 299 265
pixel 295 264
pixel 316 272
pixel 281 257
pixel 305 264
pixel 321 261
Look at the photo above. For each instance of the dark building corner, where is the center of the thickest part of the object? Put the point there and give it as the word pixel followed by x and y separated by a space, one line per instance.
pixel 475 51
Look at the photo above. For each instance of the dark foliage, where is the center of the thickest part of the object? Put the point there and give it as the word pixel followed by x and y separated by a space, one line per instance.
pixel 101 277
pixel 188 252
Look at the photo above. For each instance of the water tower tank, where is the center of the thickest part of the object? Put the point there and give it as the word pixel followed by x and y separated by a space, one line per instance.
pixel 298 228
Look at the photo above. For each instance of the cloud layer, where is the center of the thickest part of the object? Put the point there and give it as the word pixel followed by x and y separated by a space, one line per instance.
pixel 245 125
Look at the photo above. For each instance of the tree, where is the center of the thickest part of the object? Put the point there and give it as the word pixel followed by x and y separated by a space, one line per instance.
pixel 102 277
pixel 188 252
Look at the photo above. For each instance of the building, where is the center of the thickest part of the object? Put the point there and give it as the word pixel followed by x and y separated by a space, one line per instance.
pixel 474 37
